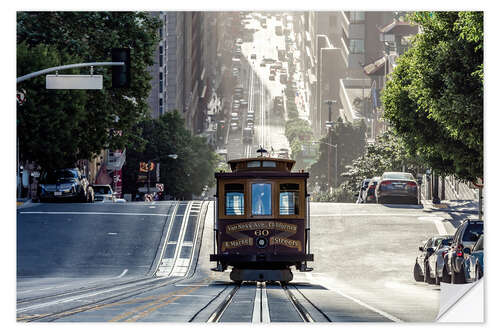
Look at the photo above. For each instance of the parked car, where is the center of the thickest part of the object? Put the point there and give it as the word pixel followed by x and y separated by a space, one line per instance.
pixel 104 193
pixel 397 187
pixel 473 263
pixel 362 189
pixel 253 56
pixel 234 127
pixel 428 247
pixel 369 194
pixel 465 237
pixel 64 185
pixel 435 261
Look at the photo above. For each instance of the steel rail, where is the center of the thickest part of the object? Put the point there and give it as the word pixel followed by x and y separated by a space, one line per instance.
pixel 99 303
pixel 301 310
pixel 313 305
pixel 217 314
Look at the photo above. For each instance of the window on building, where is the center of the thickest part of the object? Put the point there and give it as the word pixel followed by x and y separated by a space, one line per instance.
pixel 161 33
pixel 160 103
pixel 356 17
pixel 160 85
pixel 356 46
pixel 235 199
pixel 289 199
pixel 261 199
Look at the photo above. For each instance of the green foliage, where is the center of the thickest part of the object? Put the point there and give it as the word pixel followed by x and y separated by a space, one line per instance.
pixel 183 177
pixel 434 98
pixel 387 154
pixel 339 194
pixel 350 141
pixel 59 127
pixel 298 131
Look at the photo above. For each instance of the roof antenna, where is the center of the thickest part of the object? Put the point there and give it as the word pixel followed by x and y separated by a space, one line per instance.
pixel 261 151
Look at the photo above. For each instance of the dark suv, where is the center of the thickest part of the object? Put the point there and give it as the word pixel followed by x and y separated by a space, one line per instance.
pixel 466 236
pixel 64 184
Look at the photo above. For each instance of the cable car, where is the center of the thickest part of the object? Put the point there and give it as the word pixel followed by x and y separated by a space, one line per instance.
pixel 261 226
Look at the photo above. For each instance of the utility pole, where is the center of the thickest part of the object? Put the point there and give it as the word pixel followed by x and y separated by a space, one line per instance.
pixel 329 126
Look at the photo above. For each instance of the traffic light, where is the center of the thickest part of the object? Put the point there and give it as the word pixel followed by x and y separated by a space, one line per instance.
pixel 121 74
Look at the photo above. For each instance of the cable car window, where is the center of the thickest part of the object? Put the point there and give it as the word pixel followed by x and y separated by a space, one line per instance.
pixel 253 164
pixel 268 164
pixel 261 199
pixel 235 199
pixel 289 199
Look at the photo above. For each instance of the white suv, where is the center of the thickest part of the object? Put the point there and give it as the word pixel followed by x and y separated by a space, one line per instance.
pixel 104 193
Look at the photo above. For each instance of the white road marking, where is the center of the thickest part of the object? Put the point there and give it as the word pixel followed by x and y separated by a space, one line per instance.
pixel 438 221
pixel 123 273
pixel 265 307
pixel 331 286
pixel 260 305
pixel 93 213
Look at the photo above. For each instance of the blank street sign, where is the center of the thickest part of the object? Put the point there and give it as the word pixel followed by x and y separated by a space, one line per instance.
pixel 91 82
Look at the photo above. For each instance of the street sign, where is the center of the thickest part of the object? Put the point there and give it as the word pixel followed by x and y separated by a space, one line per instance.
pixel 86 82
pixel 478 183
pixel 21 97
pixel 159 187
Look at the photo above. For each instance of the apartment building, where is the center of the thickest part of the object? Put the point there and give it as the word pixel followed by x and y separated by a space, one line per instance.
pixel 180 79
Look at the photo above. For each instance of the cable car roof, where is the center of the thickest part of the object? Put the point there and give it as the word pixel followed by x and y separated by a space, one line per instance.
pixel 259 164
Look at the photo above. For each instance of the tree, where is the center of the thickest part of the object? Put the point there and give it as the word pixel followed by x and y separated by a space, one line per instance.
pixel 388 153
pixel 57 128
pixel 183 177
pixel 434 98
pixel 350 141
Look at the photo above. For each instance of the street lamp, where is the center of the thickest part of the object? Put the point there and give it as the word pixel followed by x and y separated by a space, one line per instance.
pixel 329 125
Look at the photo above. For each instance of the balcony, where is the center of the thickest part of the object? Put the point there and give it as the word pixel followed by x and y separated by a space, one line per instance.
pixel 351 89
pixel 115 160
pixel 352 29
pixel 351 60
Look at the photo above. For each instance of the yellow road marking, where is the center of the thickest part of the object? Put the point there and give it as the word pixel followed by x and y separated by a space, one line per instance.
pixel 150 310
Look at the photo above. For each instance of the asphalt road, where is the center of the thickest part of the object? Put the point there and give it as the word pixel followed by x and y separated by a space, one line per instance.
pixel 70 268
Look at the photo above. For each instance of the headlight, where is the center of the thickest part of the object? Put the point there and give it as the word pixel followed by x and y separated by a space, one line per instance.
pixel 261 242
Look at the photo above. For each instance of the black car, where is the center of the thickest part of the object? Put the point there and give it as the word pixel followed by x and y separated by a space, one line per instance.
pixel 397 187
pixel 64 185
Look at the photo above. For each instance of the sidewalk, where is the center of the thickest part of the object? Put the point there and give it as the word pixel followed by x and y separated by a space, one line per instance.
pixel 458 206
pixel 22 202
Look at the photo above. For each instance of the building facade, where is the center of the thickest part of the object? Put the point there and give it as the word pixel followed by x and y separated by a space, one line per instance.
pixel 180 79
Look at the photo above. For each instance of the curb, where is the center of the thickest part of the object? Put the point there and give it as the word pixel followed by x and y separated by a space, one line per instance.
pixel 21 202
